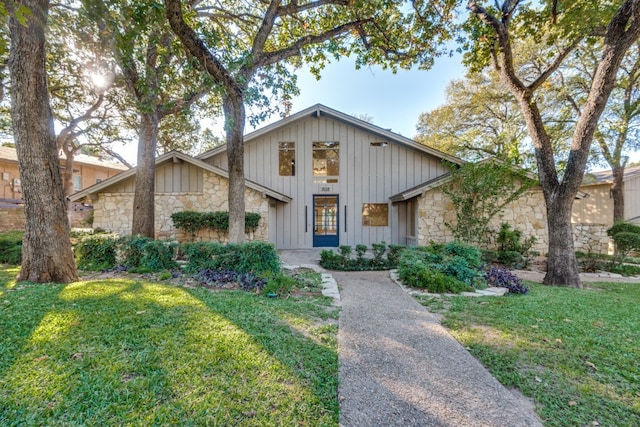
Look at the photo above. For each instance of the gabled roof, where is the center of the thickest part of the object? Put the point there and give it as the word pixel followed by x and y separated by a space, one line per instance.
pixel 170 157
pixel 606 177
pixel 442 179
pixel 320 110
pixel 9 153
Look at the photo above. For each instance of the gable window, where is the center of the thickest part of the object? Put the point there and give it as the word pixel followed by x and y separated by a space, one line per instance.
pixel 375 214
pixel 287 158
pixel 326 162
pixel 77 182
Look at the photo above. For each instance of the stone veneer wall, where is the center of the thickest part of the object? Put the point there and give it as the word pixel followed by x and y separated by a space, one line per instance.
pixel 527 214
pixel 12 218
pixel 592 238
pixel 113 211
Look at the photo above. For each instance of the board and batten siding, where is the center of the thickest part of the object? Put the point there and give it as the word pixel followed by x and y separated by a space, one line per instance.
pixel 632 199
pixel 368 174
pixel 170 178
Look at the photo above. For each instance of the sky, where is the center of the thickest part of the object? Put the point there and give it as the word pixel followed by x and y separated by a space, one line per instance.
pixel 394 101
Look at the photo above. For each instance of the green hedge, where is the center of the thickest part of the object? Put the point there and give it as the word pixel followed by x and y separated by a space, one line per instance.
pixel 141 254
pixel 11 247
pixel 256 257
pixel 192 222
pixel 383 258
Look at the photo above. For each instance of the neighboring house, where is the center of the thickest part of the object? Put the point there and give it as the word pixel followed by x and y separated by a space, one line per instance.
pixel 318 178
pixel 598 208
pixel 87 170
pixel 592 216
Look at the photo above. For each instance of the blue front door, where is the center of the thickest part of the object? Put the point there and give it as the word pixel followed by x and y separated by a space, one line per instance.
pixel 325 221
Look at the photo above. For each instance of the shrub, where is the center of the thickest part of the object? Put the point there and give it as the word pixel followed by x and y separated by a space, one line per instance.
pixel 96 252
pixel 378 252
pixel 256 257
pixel 500 277
pixel 436 281
pixel 192 222
pixel 513 250
pixel 279 284
pixel 345 251
pixel 200 255
pixel 158 255
pixel 11 247
pixel 342 260
pixel 626 236
pixel 624 269
pixel 456 261
pixel 331 260
pixel 132 251
pixel 393 256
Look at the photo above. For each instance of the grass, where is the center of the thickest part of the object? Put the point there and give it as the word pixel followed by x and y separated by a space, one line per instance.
pixel 135 352
pixel 575 352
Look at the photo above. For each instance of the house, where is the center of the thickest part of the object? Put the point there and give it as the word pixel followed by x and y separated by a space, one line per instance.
pixel 87 170
pixel 598 209
pixel 318 178
pixel 592 216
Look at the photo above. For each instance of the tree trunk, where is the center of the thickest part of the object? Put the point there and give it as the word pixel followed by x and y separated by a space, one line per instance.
pixel 144 197
pixel 562 268
pixel 46 250
pixel 67 175
pixel 234 113
pixel 617 193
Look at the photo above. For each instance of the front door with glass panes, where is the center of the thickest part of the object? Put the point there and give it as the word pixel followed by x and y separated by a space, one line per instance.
pixel 325 221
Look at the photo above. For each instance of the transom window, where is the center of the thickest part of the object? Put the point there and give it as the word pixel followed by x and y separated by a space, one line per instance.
pixel 375 214
pixel 287 158
pixel 326 162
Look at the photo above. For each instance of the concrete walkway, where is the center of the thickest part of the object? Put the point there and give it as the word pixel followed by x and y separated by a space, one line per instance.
pixel 400 367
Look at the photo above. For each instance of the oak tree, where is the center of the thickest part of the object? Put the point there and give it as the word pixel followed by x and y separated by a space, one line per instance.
pixel 159 80
pixel 492 32
pixel 46 250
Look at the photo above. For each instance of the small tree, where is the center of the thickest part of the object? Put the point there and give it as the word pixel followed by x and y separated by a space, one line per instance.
pixel 479 191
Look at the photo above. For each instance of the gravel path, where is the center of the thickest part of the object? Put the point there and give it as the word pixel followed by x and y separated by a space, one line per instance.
pixel 400 367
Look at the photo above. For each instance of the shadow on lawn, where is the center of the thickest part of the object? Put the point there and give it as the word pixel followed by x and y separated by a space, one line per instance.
pixel 118 351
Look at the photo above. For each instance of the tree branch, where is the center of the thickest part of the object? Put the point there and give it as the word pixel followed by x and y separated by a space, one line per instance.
pixel 197 48
pixel 87 115
pixel 270 58
pixel 544 75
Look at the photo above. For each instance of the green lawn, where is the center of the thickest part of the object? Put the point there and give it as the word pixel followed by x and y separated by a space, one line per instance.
pixel 575 352
pixel 133 352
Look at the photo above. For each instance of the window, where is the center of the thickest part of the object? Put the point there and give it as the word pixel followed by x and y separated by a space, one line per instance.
pixel 326 162
pixel 287 158
pixel 77 182
pixel 375 214
pixel 379 144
